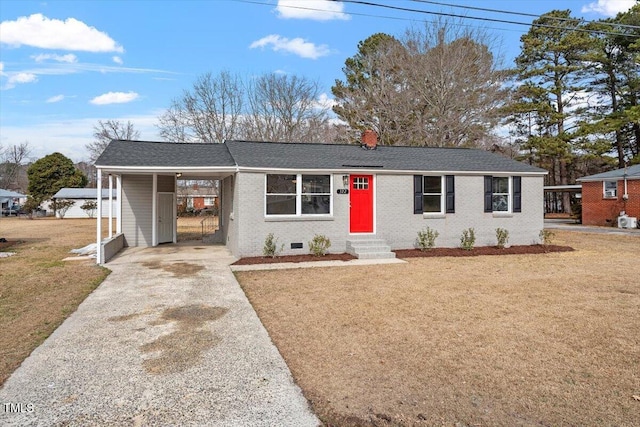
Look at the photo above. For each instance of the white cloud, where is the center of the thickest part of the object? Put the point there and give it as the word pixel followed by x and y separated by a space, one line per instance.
pixel 297 46
pixel 117 60
pixel 69 136
pixel 114 98
pixel 608 7
pixel 318 10
pixel 324 101
pixel 39 31
pixel 54 99
pixel 18 78
pixel 69 58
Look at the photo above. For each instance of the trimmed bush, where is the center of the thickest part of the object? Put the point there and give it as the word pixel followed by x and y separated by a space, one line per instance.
pixel 319 245
pixel 468 239
pixel 271 246
pixel 427 239
pixel 502 236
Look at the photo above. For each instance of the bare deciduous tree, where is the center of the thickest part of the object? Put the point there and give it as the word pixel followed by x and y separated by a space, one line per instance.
pixel 13 161
pixel 209 112
pixel 438 86
pixel 285 109
pixel 456 82
pixel 271 107
pixel 107 130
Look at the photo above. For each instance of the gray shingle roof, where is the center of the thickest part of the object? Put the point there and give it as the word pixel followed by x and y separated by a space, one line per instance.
pixel 302 156
pixel 81 193
pixel 350 157
pixel 164 154
pixel 631 172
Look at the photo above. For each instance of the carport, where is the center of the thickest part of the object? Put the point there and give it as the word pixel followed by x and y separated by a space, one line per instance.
pixel 144 177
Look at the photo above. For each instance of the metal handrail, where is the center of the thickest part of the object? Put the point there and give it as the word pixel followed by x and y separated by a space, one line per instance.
pixel 208 225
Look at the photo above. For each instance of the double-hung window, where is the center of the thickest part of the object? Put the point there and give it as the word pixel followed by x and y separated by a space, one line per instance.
pixel 610 189
pixel 299 194
pixel 434 194
pixel 502 194
pixel 500 197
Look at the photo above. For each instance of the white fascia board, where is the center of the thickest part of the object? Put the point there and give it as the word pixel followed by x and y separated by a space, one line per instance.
pixel 616 178
pixel 167 169
pixel 380 171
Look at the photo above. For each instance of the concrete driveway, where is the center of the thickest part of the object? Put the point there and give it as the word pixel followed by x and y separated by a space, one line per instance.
pixel 169 338
pixel 570 225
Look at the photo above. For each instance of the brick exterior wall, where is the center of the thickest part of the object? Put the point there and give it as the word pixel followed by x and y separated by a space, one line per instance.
pixel 596 210
pixel 394 219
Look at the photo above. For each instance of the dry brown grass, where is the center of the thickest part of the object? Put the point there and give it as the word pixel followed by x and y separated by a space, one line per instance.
pixel 190 227
pixel 551 339
pixel 37 289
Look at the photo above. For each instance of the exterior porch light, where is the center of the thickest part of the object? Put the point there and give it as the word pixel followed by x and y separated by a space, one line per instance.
pixel 345 181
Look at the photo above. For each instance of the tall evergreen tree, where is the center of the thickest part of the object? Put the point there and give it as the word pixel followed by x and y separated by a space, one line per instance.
pixel 551 66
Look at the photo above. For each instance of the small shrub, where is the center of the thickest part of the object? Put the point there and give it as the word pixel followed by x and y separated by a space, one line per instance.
pixel 62 206
pixel 30 206
pixel 89 207
pixel 319 245
pixel 271 246
pixel 546 236
pixel 468 239
pixel 427 239
pixel 502 236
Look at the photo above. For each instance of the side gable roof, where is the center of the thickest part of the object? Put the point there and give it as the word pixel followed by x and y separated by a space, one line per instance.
pixel 632 172
pixel 164 154
pixel 350 157
pixel 82 193
pixel 301 156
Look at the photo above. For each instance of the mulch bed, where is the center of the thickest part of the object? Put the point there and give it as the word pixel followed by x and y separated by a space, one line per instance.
pixel 293 258
pixel 482 250
pixel 7 244
pixel 413 253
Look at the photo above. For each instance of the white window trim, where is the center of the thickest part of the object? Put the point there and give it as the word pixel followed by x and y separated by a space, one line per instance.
pixel 298 195
pixel 443 195
pixel 509 210
pixel 604 190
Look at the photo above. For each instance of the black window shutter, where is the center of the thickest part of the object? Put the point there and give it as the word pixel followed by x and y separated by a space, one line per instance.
pixel 451 193
pixel 517 194
pixel 488 193
pixel 417 194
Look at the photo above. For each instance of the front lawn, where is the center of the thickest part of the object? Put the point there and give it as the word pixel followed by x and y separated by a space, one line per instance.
pixel 37 289
pixel 545 339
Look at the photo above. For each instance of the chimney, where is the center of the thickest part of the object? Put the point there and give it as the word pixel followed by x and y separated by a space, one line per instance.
pixel 369 139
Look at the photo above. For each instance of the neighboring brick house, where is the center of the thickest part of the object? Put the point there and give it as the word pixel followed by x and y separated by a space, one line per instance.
pixel 606 195
pixel 362 197
pixel 197 197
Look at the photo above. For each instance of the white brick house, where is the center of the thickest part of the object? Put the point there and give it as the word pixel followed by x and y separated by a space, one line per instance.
pixel 350 193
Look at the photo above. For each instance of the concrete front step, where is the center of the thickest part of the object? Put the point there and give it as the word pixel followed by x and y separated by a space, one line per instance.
pixel 376 255
pixel 369 248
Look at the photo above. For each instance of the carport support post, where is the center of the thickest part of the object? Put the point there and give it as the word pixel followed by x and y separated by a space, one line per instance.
pixel 154 211
pixel 110 206
pixel 119 200
pixel 99 220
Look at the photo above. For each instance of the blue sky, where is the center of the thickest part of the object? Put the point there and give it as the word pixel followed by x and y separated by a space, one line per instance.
pixel 64 65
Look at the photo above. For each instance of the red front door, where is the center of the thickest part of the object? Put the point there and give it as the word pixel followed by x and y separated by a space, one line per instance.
pixel 361 200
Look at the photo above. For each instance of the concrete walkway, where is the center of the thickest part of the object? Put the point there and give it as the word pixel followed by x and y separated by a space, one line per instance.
pixel 169 338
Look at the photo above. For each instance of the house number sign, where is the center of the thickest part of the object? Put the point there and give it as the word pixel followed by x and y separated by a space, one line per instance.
pixel 343 191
